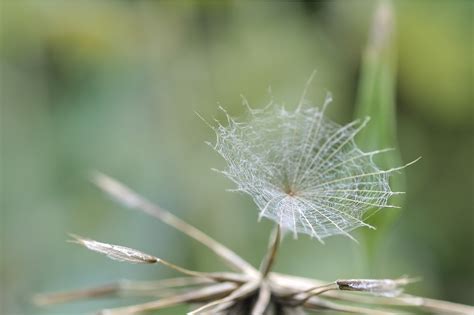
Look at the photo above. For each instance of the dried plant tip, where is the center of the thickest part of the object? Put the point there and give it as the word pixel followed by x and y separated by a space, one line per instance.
pixel 383 287
pixel 115 252
pixel 130 255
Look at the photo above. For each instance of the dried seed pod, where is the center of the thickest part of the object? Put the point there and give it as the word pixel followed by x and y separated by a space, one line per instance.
pixel 116 252
pixel 383 287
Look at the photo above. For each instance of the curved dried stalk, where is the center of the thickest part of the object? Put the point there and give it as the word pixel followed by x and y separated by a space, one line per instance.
pixel 203 294
pixel 269 259
pixel 130 199
pixel 157 288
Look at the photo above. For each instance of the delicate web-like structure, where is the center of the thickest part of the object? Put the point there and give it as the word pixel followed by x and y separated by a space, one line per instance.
pixel 303 171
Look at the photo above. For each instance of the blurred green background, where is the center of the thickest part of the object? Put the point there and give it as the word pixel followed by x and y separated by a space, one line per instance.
pixel 113 86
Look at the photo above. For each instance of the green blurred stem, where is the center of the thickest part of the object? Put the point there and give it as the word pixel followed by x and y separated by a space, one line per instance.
pixel 376 98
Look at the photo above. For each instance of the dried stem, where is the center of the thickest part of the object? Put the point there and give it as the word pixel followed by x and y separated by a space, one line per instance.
pixel 243 291
pixel 444 307
pixel 303 297
pixel 63 297
pixel 121 287
pixel 132 200
pixel 263 299
pixel 318 303
pixel 204 294
pixel 269 259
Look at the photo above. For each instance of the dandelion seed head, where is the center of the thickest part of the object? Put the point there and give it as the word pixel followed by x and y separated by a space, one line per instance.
pixel 302 170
